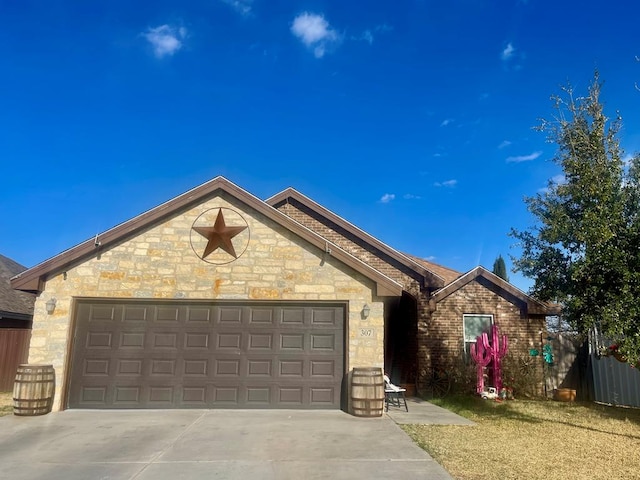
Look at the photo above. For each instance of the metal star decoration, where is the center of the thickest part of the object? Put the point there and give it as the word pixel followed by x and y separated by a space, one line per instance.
pixel 219 236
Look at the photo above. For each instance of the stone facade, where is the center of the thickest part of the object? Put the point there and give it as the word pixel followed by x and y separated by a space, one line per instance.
pixel 159 263
pixel 157 256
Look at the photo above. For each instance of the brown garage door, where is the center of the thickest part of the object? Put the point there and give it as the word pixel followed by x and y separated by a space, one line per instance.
pixel 203 355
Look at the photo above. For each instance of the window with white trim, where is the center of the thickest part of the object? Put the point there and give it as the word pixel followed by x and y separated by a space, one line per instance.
pixel 474 326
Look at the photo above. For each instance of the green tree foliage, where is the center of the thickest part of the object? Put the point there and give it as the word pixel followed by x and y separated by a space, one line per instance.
pixel 584 248
pixel 500 269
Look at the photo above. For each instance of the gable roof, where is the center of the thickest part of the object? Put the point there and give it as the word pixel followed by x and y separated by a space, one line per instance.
pixel 448 274
pixel 419 267
pixel 33 278
pixel 533 306
pixel 13 303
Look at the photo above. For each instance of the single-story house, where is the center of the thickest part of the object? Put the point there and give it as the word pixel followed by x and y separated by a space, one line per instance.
pixel 16 314
pixel 217 298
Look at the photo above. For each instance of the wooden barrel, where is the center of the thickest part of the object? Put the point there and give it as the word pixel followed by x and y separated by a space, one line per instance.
pixel 33 390
pixel 367 392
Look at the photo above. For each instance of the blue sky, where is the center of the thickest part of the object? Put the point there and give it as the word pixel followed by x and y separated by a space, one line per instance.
pixel 412 119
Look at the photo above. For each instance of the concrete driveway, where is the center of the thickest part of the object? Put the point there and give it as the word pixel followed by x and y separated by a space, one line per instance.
pixel 204 444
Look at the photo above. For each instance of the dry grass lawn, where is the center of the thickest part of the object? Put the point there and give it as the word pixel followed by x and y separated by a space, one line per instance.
pixel 524 439
pixel 6 403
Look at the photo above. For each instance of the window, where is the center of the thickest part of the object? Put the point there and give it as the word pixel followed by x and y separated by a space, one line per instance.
pixel 474 326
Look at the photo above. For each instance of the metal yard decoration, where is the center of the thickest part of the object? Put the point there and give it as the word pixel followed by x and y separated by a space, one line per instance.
pixel 486 353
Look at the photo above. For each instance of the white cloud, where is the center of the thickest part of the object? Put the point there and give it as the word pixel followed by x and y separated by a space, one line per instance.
pixel 165 39
pixel 410 196
pixel 555 180
pixel 446 122
pixel 367 36
pixel 446 183
pixel 508 52
pixel 627 159
pixel 243 7
pixel 387 197
pixel 314 31
pixel 504 144
pixel 524 158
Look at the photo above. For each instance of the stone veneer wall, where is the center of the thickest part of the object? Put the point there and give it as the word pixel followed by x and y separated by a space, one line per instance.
pixel 160 263
pixel 445 337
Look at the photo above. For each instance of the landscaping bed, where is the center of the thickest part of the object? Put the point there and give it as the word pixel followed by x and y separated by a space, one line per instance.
pixel 534 439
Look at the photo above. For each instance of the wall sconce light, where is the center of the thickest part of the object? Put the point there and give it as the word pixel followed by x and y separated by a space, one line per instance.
pixel 366 311
pixel 50 305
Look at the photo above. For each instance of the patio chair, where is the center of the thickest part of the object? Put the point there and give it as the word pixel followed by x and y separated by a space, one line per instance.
pixel 394 395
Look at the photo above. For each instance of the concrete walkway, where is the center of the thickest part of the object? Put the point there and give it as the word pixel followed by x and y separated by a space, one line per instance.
pixel 225 444
pixel 422 412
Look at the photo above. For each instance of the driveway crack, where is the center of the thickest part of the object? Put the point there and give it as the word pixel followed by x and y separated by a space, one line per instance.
pixel 169 446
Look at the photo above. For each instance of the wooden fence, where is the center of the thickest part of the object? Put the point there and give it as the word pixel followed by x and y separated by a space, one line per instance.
pixel 595 378
pixel 14 350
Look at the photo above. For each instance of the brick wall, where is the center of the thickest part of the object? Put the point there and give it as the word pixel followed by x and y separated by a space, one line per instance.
pixel 439 334
pixel 355 246
pixel 160 263
pixel 444 339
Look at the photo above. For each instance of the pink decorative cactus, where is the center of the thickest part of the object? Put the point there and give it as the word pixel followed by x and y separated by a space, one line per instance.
pixel 482 358
pixel 497 350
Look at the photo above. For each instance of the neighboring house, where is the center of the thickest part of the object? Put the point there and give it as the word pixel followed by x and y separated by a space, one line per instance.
pixel 219 299
pixel 16 314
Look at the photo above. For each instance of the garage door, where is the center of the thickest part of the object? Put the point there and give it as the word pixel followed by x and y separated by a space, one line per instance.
pixel 199 355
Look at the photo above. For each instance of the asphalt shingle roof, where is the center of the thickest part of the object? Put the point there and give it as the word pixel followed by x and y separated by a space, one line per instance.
pixel 13 301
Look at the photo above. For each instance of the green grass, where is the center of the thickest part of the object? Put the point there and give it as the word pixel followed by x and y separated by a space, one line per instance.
pixel 524 439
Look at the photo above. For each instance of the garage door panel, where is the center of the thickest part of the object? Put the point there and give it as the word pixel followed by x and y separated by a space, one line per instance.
pixel 291 368
pixel 196 341
pixel 131 340
pixel 226 395
pixel 322 369
pixel 227 367
pixel 129 366
pixel 325 341
pixel 99 340
pixel 230 316
pixel 129 355
pixel 96 367
pixel 100 313
pixel 134 314
pixel 292 316
pixel 167 315
pixel 323 396
pixel 262 317
pixel 231 340
pixel 259 341
pixel 196 367
pixel 324 317
pixel 291 342
pixel 194 396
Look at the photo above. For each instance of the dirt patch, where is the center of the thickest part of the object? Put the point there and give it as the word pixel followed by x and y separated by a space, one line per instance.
pixel 6 403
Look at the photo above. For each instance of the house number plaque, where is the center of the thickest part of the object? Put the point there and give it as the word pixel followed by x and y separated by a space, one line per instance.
pixel 366 332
